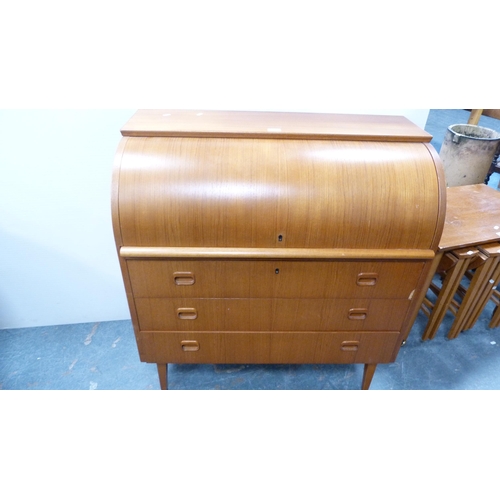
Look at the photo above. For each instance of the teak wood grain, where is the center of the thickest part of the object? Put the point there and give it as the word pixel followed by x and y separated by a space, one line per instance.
pixel 472 217
pixel 271 125
pixel 269 347
pixel 275 237
pixel 157 314
pixel 231 253
pixel 182 192
pixel 273 279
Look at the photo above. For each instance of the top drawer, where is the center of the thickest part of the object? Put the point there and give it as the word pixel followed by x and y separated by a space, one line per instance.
pixel 273 279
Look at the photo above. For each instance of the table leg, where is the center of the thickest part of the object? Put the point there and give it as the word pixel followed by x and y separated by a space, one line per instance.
pixel 470 299
pixel 482 300
pixel 367 376
pixel 479 290
pixel 163 376
pixel 495 318
pixel 489 286
pixel 450 285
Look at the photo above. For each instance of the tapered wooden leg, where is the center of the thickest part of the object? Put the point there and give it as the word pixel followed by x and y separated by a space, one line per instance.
pixel 461 259
pixel 472 298
pixel 163 376
pixel 495 319
pixel 489 285
pixel 367 376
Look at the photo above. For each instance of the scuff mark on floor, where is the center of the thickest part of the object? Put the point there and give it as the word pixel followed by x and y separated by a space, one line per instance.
pixel 70 368
pixel 116 342
pixel 93 386
pixel 88 340
pixel 229 368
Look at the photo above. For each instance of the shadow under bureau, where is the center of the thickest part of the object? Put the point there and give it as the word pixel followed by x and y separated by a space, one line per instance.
pixel 269 238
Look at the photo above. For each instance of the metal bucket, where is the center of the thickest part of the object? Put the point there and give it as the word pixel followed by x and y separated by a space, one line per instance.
pixel 467 153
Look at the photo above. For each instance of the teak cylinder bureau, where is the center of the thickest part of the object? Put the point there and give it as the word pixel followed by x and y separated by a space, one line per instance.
pixel 269 238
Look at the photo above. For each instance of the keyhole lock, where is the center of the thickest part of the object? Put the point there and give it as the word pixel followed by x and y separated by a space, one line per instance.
pixel 280 237
pixel 277 271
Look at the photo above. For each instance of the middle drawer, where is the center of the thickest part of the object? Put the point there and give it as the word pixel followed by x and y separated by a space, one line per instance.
pixel 273 279
pixel 159 314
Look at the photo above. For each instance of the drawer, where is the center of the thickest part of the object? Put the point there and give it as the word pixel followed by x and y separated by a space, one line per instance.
pixel 158 314
pixel 266 347
pixel 269 279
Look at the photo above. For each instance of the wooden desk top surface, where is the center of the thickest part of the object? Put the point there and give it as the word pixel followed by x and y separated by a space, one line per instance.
pixel 472 216
pixel 272 125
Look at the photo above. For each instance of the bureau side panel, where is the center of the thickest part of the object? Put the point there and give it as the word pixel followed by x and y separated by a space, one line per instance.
pixel 117 230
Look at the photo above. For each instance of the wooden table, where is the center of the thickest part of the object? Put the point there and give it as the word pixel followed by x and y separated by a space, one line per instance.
pixel 470 242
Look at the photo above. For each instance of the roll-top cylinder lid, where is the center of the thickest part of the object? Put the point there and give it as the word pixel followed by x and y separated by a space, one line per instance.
pixel 248 180
pixel 272 125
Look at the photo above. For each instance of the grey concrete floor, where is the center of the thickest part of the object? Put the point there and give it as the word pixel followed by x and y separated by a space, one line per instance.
pixel 103 356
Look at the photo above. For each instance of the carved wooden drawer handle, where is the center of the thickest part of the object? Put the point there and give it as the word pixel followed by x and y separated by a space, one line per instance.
pixel 187 313
pixel 358 314
pixel 184 279
pixel 190 345
pixel 367 279
pixel 350 346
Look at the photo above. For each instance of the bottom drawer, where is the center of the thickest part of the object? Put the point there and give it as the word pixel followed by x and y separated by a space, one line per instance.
pixel 268 347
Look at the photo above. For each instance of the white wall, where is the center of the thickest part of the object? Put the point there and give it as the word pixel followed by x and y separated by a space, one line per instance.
pixel 58 263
